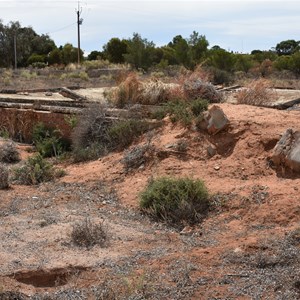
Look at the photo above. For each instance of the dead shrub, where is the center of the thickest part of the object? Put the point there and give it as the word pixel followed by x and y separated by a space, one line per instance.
pixel 89 137
pixel 133 91
pixel 88 234
pixel 258 92
pixel 9 153
pixel 138 156
pixel 195 88
pixel 127 92
pixel 3 177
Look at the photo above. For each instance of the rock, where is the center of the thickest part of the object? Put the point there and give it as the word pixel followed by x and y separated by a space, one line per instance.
pixel 286 153
pixel 49 94
pixel 217 168
pixel 214 120
pixel 217 121
pixel 211 150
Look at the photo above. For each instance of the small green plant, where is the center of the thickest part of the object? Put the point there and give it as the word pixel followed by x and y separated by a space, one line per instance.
pixel 48 141
pixel 198 106
pixel 4 133
pixel 35 170
pixel 9 153
pixel 3 177
pixel 87 234
pixel 179 112
pixel 176 201
pixel 71 120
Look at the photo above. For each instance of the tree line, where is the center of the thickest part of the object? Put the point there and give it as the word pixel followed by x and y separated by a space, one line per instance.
pixel 140 53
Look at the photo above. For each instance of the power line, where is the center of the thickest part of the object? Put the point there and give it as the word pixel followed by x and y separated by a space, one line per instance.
pixel 62 28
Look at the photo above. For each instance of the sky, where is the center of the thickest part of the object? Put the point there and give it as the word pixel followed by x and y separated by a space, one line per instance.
pixel 236 25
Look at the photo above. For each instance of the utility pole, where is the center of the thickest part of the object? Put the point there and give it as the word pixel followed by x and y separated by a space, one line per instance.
pixel 15 50
pixel 79 22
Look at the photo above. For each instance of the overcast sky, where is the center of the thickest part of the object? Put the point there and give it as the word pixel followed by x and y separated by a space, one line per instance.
pixel 237 25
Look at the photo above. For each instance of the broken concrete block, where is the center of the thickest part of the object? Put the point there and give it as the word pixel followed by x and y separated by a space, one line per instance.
pixel 286 153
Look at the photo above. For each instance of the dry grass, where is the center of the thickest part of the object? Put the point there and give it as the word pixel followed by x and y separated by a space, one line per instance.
pixel 87 234
pixel 257 92
pixel 133 91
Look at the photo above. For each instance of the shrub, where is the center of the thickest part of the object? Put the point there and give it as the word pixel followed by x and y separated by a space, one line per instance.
pixel 4 133
pixel 95 134
pixel 87 234
pixel 122 133
pixel 196 88
pixel 35 170
pixel 9 153
pixel 128 91
pixel 48 141
pixel 175 201
pixel 90 152
pixel 91 126
pixel 221 76
pixel 132 91
pixel 137 156
pixel 3 177
pixel 179 112
pixel 256 93
pixel 198 106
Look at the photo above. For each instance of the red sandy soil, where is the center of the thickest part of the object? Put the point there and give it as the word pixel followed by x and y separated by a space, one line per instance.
pixel 248 247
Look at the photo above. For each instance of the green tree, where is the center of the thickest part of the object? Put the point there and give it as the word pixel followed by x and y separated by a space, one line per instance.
pixel 140 52
pixel 55 57
pixel 198 48
pixel 221 59
pixel 287 47
pixel 70 54
pixel 115 49
pixel 28 42
pixel 243 62
pixel 181 47
pixel 94 55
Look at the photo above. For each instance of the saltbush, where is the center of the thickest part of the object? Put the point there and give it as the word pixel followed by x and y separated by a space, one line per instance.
pixel 35 170
pixel 9 152
pixel 175 201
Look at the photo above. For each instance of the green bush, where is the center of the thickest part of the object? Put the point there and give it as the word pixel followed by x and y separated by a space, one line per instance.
pixel 179 112
pixel 122 133
pixel 198 106
pixel 175 201
pixel 35 170
pixel 185 111
pixel 48 141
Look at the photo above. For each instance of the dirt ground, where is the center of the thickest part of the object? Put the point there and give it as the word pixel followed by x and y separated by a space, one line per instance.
pixel 248 247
